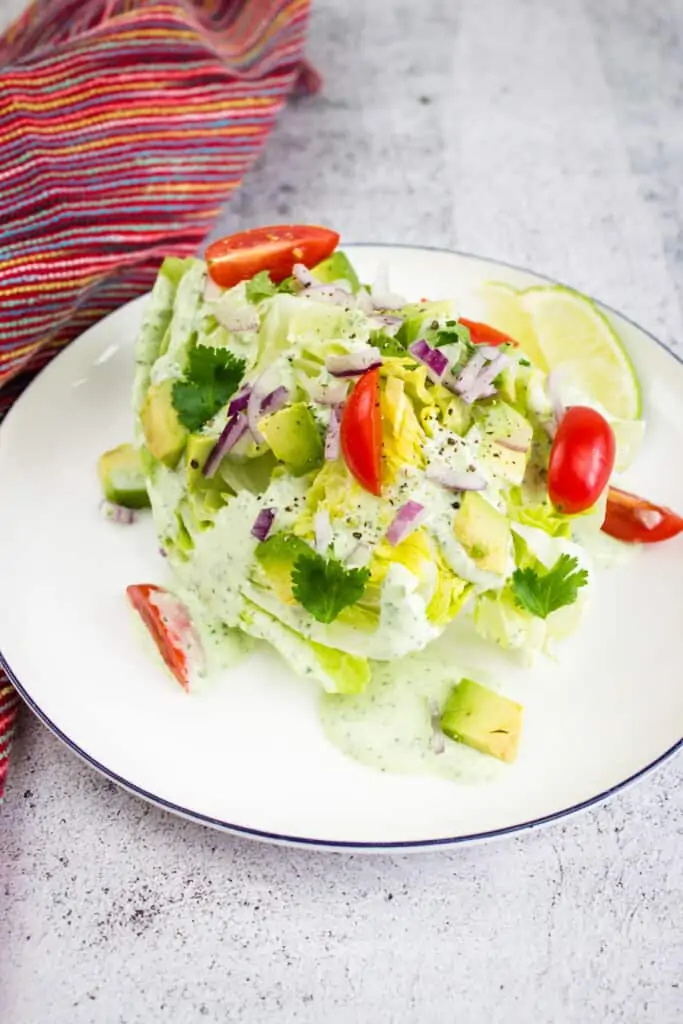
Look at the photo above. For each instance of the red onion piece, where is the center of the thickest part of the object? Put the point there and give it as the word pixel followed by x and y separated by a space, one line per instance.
pixel 303 275
pixel 388 323
pixel 435 361
pixel 240 401
pixel 455 480
pixel 118 513
pixel 511 444
pixel 275 400
pixel 353 364
pixel 263 523
pixel 469 373
pixel 405 521
pixel 234 429
pixel 323 531
pixel 332 435
pixel 261 388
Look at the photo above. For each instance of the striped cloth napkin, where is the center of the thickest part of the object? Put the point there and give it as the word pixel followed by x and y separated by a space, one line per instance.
pixel 125 125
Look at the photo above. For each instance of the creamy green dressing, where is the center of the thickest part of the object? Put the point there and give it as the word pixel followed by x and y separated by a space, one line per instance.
pixel 391 725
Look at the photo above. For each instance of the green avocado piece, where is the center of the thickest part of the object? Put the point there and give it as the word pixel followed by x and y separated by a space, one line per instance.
pixel 483 719
pixel 277 555
pixel 501 427
pixel 483 531
pixel 197 451
pixel 164 433
pixel 337 267
pixel 123 478
pixel 294 438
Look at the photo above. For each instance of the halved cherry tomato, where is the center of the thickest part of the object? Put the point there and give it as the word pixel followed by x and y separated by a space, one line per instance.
pixel 275 249
pixel 169 623
pixel 484 334
pixel 636 520
pixel 581 460
pixel 361 432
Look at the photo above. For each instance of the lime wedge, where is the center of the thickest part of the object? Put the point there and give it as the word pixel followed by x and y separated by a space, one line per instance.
pixel 573 333
pixel 503 309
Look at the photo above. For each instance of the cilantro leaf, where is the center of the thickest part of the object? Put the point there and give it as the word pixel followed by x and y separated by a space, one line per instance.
pixel 544 590
pixel 261 287
pixel 325 587
pixel 212 376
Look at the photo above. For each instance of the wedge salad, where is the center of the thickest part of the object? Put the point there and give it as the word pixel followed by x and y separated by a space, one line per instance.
pixel 342 472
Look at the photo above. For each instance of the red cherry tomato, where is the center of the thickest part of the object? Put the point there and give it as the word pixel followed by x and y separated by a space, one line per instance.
pixel 275 249
pixel 636 520
pixel 361 432
pixel 483 334
pixel 168 622
pixel 581 460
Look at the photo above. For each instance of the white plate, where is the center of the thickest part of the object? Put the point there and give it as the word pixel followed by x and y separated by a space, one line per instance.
pixel 249 754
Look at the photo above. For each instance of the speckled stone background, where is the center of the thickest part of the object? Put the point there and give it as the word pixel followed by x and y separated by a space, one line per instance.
pixel 546 132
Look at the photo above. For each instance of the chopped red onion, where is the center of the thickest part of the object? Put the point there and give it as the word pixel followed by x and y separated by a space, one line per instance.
pixel 343 285
pixel 275 400
pixel 323 531
pixel 303 275
pixel 381 297
pixel 260 390
pixel 435 361
pixel 240 401
pixel 118 513
pixel 332 435
pixel 405 521
pixel 234 429
pixel 469 373
pixel 456 480
pixel 476 380
pixel 649 517
pixel 354 363
pixel 263 523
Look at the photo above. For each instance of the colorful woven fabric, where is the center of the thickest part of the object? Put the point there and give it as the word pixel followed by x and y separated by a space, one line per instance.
pixel 125 125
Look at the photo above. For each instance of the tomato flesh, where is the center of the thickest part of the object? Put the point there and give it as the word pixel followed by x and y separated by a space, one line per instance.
pixel 170 626
pixel 275 249
pixel 581 460
pixel 484 334
pixel 635 520
pixel 361 432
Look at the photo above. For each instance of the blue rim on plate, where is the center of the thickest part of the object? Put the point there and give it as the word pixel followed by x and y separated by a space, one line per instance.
pixel 359 845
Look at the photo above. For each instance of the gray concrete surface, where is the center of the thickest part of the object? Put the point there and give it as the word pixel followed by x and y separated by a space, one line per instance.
pixel 546 133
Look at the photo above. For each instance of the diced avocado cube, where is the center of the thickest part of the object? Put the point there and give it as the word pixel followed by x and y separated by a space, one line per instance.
pixel 123 478
pixel 294 438
pixel 336 267
pixel 507 436
pixel 484 532
pixel 164 433
pixel 197 451
pixel 277 555
pixel 483 719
